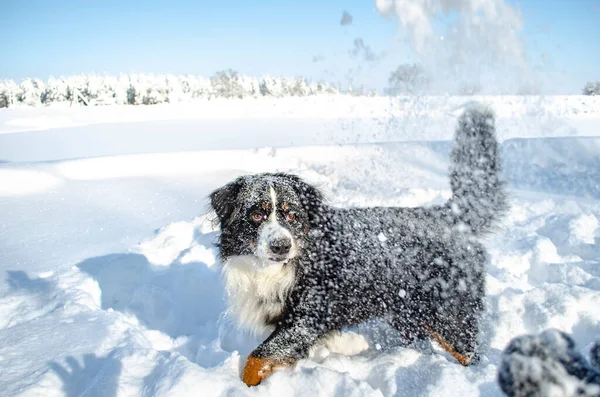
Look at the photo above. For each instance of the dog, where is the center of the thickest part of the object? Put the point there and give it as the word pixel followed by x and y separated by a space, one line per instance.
pixel 300 270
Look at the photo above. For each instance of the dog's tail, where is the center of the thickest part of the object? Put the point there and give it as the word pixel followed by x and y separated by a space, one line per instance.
pixel 478 194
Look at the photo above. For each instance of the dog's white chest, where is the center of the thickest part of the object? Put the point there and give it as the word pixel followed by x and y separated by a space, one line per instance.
pixel 255 292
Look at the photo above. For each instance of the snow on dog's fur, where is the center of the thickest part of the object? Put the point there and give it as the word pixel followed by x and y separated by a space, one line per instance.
pixel 302 270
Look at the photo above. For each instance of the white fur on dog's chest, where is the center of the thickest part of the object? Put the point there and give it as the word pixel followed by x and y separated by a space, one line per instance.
pixel 256 292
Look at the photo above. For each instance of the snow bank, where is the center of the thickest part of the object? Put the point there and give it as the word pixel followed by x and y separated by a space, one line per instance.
pixel 75 132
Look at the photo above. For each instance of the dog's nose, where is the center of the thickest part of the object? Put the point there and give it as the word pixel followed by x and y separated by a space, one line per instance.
pixel 281 246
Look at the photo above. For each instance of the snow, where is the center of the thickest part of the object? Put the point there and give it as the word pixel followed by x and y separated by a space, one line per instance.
pixel 110 282
pixel 63 132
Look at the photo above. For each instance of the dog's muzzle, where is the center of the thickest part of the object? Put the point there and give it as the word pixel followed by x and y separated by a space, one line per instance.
pixel 275 244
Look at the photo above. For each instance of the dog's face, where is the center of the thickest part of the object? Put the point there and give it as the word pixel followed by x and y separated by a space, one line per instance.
pixel 268 216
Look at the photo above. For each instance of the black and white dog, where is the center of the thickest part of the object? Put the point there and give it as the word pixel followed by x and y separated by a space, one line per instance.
pixel 300 270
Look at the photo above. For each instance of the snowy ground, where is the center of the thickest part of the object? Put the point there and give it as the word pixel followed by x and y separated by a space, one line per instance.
pixel 109 280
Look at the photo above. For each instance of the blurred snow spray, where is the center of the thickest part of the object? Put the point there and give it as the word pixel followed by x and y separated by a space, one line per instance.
pixel 461 43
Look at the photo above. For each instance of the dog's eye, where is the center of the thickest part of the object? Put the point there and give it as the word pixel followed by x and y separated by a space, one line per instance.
pixel 257 216
pixel 290 217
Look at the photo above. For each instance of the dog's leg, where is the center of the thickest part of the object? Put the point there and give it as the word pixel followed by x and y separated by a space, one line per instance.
pixel 458 336
pixel 463 359
pixel 285 346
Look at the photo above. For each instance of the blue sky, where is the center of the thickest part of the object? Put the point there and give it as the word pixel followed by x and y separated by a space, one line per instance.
pixel 43 38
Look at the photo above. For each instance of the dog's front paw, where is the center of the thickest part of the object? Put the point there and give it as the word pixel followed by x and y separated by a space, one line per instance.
pixel 258 369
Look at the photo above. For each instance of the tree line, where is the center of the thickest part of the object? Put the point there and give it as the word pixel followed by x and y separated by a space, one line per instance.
pixel 148 89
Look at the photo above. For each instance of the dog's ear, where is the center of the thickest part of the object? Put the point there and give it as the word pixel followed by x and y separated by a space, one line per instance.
pixel 311 198
pixel 223 200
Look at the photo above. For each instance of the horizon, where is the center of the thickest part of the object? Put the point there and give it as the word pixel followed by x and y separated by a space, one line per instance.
pixel 346 43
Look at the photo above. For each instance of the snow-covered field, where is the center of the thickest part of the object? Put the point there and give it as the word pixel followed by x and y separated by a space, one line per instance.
pixel 109 280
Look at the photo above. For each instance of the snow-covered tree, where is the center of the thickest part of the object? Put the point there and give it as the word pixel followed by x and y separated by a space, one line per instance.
pixel 174 91
pixel 300 87
pixel 136 89
pixel 8 92
pixel 199 87
pixel 93 88
pixel 121 88
pixel 104 90
pixel 153 89
pixel 108 94
pixel 294 86
pixel 76 86
pixel 3 95
pixel 30 92
pixel 287 86
pixel 320 87
pixel 271 86
pixel 57 90
pixel 407 79
pixel 227 84
pixel 592 88
pixel 250 86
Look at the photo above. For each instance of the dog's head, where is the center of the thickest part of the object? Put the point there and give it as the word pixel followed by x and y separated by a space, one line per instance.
pixel 268 216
